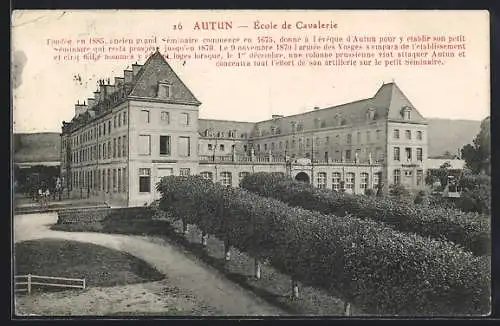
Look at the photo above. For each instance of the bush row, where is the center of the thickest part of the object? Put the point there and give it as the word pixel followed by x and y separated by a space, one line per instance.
pixel 378 269
pixel 92 215
pixel 470 230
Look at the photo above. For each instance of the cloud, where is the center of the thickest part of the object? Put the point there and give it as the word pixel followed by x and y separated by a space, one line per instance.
pixel 19 61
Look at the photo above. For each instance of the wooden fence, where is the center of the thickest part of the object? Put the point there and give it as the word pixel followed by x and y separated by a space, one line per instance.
pixel 25 283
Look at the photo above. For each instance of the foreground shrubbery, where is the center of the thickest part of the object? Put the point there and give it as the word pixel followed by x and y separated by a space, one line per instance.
pixel 466 229
pixel 377 268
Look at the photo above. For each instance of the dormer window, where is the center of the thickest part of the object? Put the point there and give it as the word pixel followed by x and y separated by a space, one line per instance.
pixel 370 114
pixel 406 113
pixel 164 89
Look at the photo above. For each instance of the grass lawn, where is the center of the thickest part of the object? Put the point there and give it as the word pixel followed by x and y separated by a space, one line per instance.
pixel 99 266
pixel 273 286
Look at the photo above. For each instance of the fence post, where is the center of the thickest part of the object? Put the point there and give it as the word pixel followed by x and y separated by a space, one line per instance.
pixel 29 283
pixel 84 284
pixel 347 309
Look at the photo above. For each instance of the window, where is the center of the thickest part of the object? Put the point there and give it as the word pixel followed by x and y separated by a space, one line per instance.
pixel 350 181
pixel 119 119
pixel 420 177
pixel 349 138
pixel 100 130
pixel 184 172
pixel 124 118
pixel 406 113
pixel 241 175
pixel 396 133
pixel 408 134
pixel 145 116
pixel 358 137
pixel 272 146
pixel 336 181
pixel 124 175
pixel 408 173
pixel 109 126
pixel 104 128
pixel 397 154
pixel 419 154
pixel 165 117
pixel 124 152
pixel 185 119
pixel 368 136
pixel 109 149
pixel 363 183
pixel 164 90
pixel 104 156
pixel 207 175
pixel 144 145
pixel 210 147
pixel 419 135
pixel 226 178
pixel 144 180
pixel 221 147
pixel 114 147
pixel 265 147
pixel 377 134
pixel 115 122
pixel 114 180
pixel 348 154
pixel 327 140
pixel 184 146
pixel 164 145
pixel 321 180
pixel 408 153
pixel 119 179
pixel 376 178
pixel 397 176
pixel 119 146
pixel 103 180
pixel 109 180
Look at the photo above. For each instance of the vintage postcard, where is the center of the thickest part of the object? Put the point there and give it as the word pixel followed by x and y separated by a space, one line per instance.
pixel 251 163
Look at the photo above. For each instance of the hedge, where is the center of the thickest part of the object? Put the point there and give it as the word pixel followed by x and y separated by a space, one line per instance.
pixel 378 269
pixel 470 230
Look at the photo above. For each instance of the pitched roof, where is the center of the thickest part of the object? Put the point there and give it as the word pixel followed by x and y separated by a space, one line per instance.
pixel 241 127
pixel 157 69
pixel 37 147
pixel 387 102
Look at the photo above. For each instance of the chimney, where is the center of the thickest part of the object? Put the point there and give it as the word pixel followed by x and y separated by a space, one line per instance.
pixel 80 108
pixel 97 96
pixel 118 81
pixel 316 108
pixel 91 102
pixel 277 116
pixel 128 76
pixel 136 68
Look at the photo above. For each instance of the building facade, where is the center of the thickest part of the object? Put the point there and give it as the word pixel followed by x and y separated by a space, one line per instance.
pixel 145 126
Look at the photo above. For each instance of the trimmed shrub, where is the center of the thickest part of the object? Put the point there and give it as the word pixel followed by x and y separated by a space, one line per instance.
pixel 378 269
pixel 468 230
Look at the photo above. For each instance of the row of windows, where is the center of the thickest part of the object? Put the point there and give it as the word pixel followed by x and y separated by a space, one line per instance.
pixel 145 118
pixel 108 180
pixel 222 147
pixel 183 145
pixel 223 134
pixel 104 128
pixel 102 151
pixel 408 174
pixel 145 177
pixel 408 154
pixel 408 134
pixel 349 181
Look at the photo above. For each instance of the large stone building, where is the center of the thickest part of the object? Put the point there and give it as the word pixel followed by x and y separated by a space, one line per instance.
pixel 145 126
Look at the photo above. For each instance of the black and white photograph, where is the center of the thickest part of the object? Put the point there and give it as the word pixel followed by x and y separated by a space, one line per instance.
pixel 251 163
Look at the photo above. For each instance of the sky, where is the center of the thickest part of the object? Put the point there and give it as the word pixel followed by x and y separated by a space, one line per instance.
pixel 44 90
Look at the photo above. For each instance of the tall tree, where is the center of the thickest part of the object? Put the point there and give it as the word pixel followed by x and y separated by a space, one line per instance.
pixel 478 154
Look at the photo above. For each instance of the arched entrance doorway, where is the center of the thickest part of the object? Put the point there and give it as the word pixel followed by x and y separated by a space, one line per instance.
pixel 302 177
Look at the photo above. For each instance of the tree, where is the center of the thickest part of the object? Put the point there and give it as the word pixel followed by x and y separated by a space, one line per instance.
pixel 478 154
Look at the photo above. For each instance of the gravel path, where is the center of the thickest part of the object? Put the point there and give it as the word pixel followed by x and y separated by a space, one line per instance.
pixel 185 272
